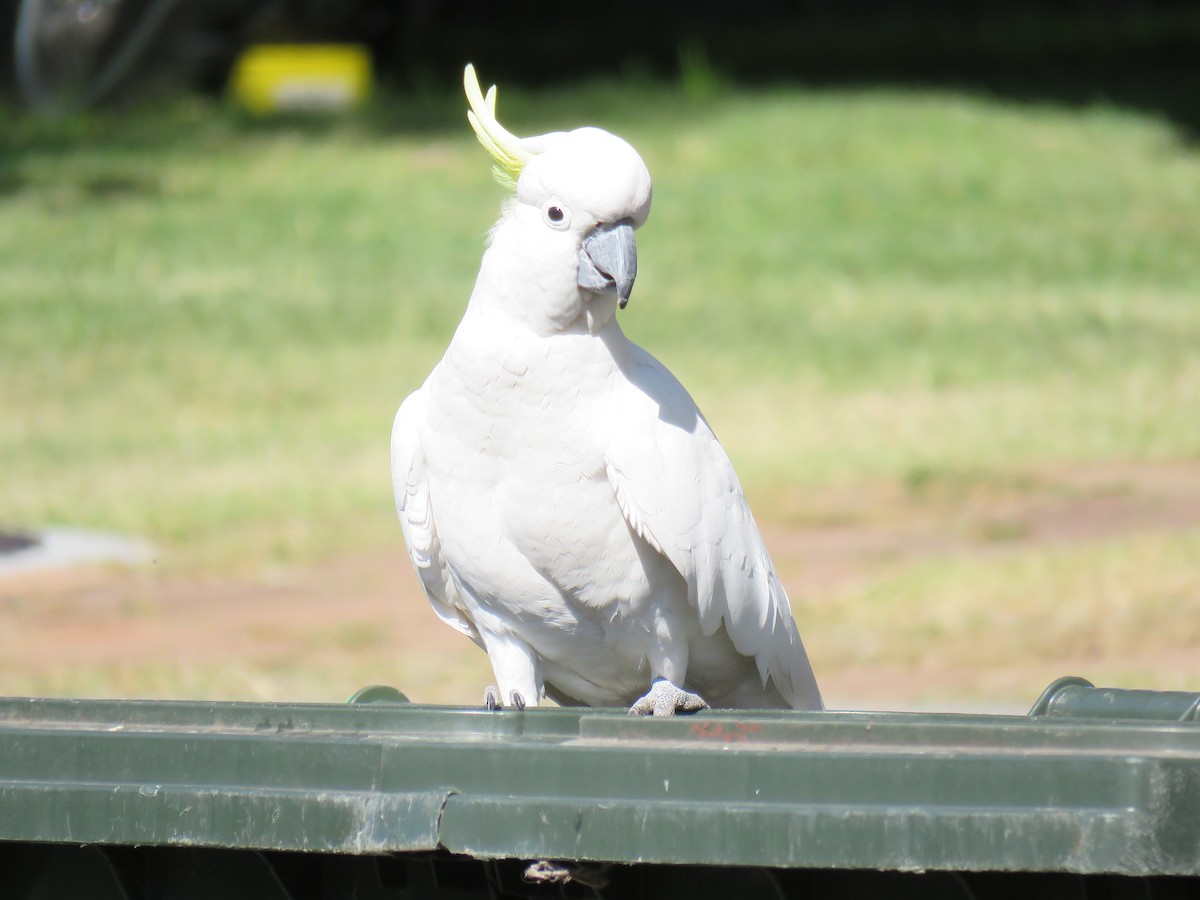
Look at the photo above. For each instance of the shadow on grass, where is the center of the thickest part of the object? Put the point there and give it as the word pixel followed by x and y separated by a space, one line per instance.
pixel 1121 53
pixel 674 66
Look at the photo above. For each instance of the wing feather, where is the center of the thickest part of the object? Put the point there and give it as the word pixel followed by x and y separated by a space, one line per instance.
pixel 411 489
pixel 677 489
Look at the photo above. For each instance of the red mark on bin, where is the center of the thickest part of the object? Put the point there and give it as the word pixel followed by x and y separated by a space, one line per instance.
pixel 740 731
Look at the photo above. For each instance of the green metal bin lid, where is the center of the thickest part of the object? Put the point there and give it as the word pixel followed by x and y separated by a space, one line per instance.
pixel 1084 785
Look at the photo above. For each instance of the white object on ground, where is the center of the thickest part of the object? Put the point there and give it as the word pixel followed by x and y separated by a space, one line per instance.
pixel 58 548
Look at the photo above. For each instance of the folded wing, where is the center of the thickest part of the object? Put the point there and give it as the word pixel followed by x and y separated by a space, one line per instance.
pixel 411 489
pixel 677 489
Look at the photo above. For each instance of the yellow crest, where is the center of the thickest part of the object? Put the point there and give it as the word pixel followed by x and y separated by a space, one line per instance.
pixel 504 146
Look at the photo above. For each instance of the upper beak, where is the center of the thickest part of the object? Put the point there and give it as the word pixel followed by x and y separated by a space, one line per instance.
pixel 608 260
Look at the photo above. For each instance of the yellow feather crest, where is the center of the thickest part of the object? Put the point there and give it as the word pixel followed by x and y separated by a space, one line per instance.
pixel 504 146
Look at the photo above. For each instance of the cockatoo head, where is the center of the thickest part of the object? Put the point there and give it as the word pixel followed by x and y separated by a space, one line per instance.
pixel 579 196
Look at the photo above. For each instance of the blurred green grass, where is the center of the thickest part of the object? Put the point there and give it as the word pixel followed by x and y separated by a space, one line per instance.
pixel 206 323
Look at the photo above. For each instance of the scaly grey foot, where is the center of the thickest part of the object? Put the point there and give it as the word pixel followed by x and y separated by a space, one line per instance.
pixel 667 699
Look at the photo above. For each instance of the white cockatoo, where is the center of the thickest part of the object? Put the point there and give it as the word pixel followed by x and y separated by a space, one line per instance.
pixel 565 504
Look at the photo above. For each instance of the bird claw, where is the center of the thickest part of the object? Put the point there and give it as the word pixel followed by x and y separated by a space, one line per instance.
pixel 491 699
pixel 667 699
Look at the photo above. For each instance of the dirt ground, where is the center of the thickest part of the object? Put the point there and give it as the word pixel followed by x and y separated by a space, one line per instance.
pixel 319 633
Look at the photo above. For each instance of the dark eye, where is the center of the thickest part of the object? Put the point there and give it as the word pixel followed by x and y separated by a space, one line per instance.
pixel 556 215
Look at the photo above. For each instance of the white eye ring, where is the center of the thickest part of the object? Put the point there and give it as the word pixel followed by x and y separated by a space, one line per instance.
pixel 556 215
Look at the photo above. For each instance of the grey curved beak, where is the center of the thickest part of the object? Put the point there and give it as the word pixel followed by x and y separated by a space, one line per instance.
pixel 608 260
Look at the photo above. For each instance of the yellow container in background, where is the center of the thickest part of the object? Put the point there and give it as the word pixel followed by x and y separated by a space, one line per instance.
pixel 308 77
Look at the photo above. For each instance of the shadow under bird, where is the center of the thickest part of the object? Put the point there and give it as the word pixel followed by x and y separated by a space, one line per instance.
pixel 565 504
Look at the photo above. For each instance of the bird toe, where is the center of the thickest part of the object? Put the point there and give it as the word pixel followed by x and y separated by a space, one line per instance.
pixel 667 699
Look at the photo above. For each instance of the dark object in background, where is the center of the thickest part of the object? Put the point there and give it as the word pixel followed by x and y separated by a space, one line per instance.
pixel 16 541
pixel 70 54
